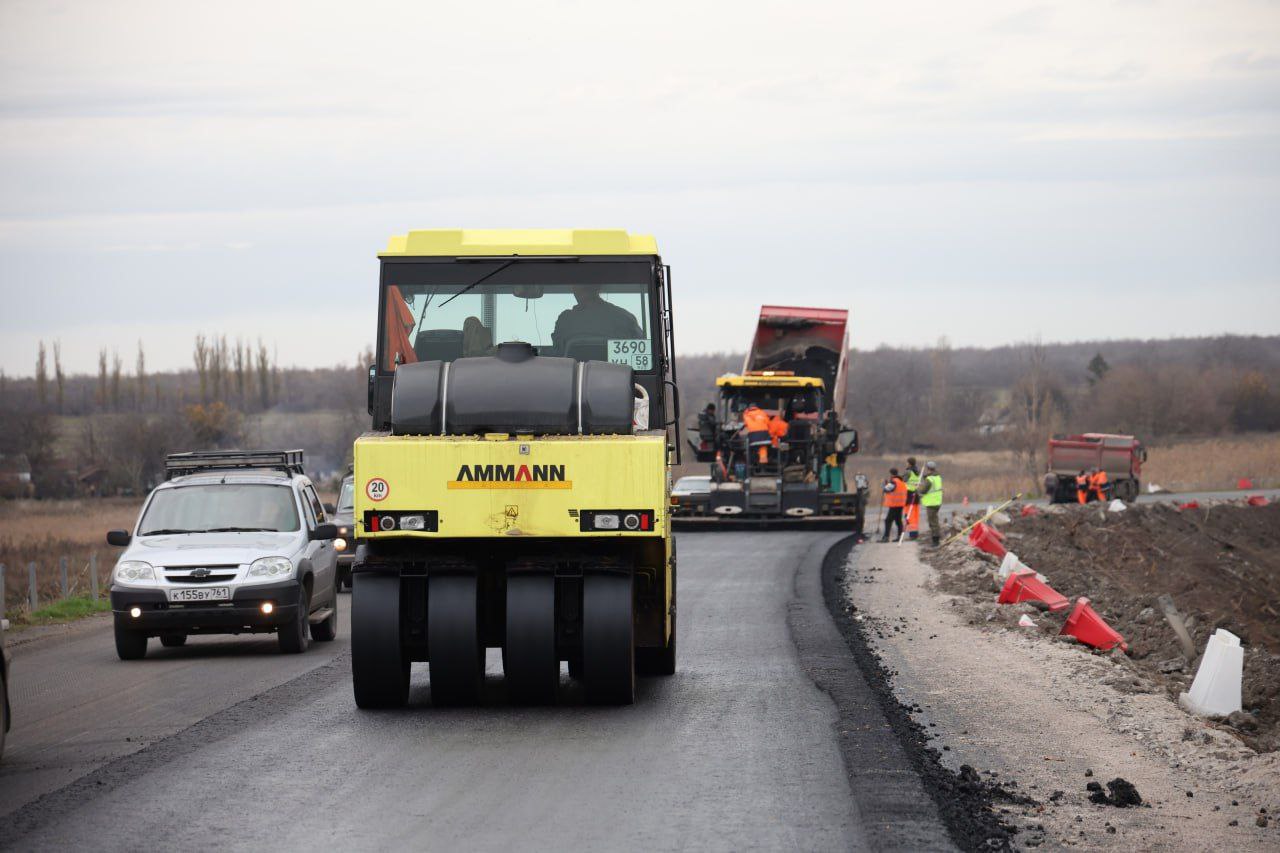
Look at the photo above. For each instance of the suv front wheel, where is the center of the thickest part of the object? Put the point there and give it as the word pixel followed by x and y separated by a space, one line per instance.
pixel 130 645
pixel 294 637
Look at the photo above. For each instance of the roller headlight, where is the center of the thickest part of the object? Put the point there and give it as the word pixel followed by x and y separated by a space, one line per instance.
pixel 271 567
pixel 134 570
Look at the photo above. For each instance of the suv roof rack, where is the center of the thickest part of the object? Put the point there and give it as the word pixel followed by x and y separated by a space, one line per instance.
pixel 192 462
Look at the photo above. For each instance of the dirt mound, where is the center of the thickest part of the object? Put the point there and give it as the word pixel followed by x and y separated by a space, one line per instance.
pixel 1120 793
pixel 1220 564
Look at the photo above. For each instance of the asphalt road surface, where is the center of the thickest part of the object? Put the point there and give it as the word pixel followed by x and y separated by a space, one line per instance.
pixel 227 744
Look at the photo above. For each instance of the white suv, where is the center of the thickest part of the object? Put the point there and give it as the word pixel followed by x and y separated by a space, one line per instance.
pixel 233 542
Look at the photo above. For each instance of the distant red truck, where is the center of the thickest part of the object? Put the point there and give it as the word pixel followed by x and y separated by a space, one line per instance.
pixel 1121 456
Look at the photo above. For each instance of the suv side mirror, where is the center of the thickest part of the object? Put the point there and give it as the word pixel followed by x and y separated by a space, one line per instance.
pixel 373 384
pixel 119 538
pixel 847 441
pixel 323 531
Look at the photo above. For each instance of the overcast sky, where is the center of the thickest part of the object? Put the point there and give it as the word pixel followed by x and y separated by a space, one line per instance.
pixel 958 169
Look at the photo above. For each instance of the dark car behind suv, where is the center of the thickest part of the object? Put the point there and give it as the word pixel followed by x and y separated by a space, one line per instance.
pixel 344 518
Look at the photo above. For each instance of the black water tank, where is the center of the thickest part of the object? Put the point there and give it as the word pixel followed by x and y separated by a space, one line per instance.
pixel 514 391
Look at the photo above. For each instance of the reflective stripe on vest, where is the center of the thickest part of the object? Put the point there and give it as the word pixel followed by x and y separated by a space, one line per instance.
pixel 933 497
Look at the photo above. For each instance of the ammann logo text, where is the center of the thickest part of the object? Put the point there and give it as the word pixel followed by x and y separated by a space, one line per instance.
pixel 510 477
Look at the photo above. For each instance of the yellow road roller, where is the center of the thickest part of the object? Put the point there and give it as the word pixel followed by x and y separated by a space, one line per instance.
pixel 514 490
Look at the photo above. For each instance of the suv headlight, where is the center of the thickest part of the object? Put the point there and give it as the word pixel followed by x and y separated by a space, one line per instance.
pixel 134 570
pixel 271 567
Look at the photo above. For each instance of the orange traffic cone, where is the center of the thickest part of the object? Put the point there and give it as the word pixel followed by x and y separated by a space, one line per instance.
pixel 1088 627
pixel 984 537
pixel 1023 585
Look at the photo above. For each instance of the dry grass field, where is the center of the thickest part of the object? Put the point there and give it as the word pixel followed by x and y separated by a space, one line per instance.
pixel 42 532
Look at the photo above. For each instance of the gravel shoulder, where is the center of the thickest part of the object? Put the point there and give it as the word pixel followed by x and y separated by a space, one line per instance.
pixel 1047 718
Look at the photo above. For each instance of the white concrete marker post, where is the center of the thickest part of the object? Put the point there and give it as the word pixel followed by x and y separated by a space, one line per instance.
pixel 1216 688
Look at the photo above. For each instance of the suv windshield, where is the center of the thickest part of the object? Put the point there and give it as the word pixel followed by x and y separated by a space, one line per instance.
pixel 220 507
pixel 581 310
pixel 346 497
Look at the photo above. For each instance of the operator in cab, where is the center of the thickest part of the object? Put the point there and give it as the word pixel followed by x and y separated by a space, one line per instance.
pixel 593 317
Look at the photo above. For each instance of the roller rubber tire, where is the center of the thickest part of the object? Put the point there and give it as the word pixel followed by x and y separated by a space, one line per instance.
pixel 379 666
pixel 173 641
pixel 130 645
pixel 529 660
pixel 453 639
pixel 608 638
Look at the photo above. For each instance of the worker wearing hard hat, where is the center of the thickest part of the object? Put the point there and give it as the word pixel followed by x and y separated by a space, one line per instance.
pixel 930 492
pixel 1082 487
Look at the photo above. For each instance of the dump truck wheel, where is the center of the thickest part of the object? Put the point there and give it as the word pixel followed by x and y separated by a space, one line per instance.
pixel 529 658
pixel 608 641
pixel 453 639
pixel 379 666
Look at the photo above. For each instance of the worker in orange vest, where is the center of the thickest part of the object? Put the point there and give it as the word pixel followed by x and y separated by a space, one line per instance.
pixel 777 429
pixel 894 499
pixel 1082 487
pixel 1098 484
pixel 756 421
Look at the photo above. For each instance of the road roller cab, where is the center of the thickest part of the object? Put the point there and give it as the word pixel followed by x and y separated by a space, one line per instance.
pixel 514 490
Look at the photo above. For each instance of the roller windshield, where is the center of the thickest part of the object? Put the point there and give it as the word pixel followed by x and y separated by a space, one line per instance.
pixel 580 310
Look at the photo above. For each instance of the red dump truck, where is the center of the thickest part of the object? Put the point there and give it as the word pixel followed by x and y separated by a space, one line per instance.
pixel 1121 456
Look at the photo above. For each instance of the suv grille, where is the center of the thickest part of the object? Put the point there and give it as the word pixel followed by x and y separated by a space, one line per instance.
pixel 200 574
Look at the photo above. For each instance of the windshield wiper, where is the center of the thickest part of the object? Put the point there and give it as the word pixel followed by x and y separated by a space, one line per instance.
pixel 239 530
pixel 473 284
pixel 166 532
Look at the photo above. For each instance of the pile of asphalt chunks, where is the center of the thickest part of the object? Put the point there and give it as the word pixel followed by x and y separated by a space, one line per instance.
pixel 1025 584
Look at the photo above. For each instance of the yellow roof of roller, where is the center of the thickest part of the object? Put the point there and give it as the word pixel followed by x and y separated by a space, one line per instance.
pixel 460 242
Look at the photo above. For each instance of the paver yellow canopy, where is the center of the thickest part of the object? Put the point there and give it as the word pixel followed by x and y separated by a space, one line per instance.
pixel 514 489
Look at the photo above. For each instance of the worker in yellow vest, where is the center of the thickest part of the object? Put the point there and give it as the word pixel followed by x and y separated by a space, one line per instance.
pixel 931 499
pixel 912 511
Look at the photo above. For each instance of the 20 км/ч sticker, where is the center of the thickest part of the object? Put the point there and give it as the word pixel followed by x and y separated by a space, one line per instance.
pixel 377 489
